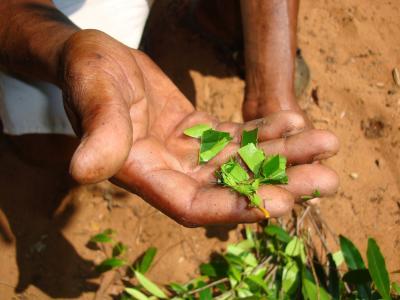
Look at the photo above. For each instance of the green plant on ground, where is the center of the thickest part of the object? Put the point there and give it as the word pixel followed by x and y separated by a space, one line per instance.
pixel 269 263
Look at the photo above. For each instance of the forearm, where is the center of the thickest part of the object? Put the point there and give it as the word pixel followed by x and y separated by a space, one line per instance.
pixel 270 49
pixel 32 33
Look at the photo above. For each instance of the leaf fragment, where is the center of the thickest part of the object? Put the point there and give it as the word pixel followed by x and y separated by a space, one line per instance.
pixel 249 137
pixel 252 156
pixel 212 143
pixel 197 130
pixel 273 170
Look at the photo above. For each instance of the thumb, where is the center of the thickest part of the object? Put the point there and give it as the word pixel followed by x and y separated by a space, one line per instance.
pixel 104 125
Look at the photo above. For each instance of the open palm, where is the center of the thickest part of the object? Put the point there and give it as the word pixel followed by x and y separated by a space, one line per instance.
pixel 137 136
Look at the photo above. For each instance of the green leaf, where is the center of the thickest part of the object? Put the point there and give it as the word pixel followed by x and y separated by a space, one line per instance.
pixel 104 237
pixel 278 232
pixel 290 277
pixel 354 261
pixel 147 259
pixel 136 294
pixel 273 170
pixel 351 255
pixel 212 143
pixel 204 294
pixel 178 288
pixel 249 137
pixel 310 290
pixel 119 249
pixel 338 258
pixel 333 278
pixel 377 269
pixel 150 286
pixel 197 130
pixel 208 270
pixel 110 263
pixel 359 276
pixel 294 247
pixel 259 281
pixel 252 156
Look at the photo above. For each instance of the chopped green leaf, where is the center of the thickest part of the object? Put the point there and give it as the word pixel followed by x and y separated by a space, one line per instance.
pixel 316 193
pixel 212 143
pixel 197 130
pixel 377 269
pixel 249 137
pixel 150 286
pixel 136 294
pixel 232 173
pixel 252 156
pixel 273 170
pixel 147 259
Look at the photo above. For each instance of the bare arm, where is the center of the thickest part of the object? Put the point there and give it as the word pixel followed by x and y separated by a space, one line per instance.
pixel 32 33
pixel 270 47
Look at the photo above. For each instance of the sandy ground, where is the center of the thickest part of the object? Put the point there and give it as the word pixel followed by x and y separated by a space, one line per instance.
pixel 351 48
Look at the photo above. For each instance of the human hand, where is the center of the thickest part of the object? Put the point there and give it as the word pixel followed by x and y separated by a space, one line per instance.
pixel 131 118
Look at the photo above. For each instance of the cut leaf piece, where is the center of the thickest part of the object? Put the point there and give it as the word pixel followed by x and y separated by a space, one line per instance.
pixel 212 143
pixel 232 173
pixel 252 156
pixel 197 130
pixel 274 170
pixel 249 137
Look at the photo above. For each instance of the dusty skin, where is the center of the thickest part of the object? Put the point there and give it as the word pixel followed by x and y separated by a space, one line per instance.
pixel 351 49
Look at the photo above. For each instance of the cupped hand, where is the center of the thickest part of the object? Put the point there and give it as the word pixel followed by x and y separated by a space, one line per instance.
pixel 131 119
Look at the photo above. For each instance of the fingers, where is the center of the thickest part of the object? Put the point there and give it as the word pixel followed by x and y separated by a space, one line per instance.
pixel 106 139
pixel 196 204
pixel 305 147
pixel 304 180
pixel 277 125
pixel 220 205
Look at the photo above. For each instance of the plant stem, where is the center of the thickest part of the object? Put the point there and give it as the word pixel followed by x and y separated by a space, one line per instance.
pixel 214 283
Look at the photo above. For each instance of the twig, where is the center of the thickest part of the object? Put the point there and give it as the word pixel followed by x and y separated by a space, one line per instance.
pixel 334 235
pixel 214 283
pixel 315 277
pixel 300 221
pixel 321 237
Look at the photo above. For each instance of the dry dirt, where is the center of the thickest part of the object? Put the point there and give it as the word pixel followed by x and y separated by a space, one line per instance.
pixel 351 48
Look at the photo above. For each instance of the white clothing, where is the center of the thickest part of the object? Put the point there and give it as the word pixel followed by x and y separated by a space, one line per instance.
pixel 37 107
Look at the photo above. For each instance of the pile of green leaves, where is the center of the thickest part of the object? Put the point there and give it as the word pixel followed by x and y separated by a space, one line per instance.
pixel 272 264
pixel 261 169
